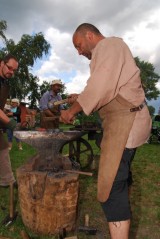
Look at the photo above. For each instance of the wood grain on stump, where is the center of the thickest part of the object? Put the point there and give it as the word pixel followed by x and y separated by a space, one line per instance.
pixel 48 201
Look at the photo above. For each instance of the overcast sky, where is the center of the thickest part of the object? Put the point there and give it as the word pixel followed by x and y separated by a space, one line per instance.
pixel 136 21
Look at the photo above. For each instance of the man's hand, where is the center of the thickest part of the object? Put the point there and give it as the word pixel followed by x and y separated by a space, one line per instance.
pixel 66 117
pixel 9 114
pixel 3 117
pixel 72 98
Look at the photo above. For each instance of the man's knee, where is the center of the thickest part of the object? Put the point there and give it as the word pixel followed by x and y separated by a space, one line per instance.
pixel 117 207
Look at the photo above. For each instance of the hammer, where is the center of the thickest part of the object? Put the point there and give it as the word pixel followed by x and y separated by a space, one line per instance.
pixel 12 214
pixel 88 230
pixel 51 105
pixel 79 172
pixel 59 102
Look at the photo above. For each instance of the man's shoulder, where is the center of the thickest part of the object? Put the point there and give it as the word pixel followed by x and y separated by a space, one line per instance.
pixel 112 44
pixel 112 40
pixel 4 82
pixel 47 93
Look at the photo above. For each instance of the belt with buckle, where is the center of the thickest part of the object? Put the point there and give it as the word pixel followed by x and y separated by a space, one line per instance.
pixel 138 108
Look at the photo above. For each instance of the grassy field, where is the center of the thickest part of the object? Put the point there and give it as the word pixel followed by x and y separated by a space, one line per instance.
pixel 145 197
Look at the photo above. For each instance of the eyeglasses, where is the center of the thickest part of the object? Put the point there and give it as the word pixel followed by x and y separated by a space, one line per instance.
pixel 10 68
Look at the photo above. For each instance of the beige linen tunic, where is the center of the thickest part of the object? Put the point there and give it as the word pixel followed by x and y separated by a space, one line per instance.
pixel 113 88
pixel 113 71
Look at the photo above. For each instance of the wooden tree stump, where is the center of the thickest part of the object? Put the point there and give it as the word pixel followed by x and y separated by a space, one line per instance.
pixel 48 201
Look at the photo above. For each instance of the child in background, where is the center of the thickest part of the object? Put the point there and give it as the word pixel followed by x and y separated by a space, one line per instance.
pixel 7 107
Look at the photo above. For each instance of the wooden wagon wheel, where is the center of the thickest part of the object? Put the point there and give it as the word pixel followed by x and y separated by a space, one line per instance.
pixel 79 151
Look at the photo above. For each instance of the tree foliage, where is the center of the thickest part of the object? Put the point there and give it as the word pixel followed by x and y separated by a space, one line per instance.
pixel 151 110
pixel 27 51
pixel 3 28
pixel 149 79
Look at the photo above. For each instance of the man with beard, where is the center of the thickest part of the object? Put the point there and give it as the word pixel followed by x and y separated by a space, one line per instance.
pixel 8 65
pixel 114 89
pixel 47 106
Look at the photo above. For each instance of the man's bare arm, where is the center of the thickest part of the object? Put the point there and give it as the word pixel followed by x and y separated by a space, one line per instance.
pixel 67 116
pixel 72 98
pixel 3 117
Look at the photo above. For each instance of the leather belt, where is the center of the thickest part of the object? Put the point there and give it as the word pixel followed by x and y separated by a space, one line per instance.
pixel 138 108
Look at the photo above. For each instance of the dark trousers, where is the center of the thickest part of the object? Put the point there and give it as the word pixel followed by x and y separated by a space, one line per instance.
pixel 117 207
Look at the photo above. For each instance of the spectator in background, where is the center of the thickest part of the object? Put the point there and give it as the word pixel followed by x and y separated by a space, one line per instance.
pixel 15 113
pixel 46 105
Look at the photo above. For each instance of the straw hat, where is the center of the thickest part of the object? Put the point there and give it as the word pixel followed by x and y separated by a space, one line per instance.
pixel 56 82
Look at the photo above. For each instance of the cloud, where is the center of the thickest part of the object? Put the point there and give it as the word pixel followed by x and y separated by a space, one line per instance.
pixel 66 15
pixel 64 62
pixel 144 38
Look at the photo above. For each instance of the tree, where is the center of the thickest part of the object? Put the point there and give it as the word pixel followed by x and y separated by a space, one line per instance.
pixel 149 79
pixel 151 110
pixel 27 51
pixel 3 27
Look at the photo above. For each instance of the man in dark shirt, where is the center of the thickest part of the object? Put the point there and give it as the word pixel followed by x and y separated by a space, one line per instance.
pixel 8 65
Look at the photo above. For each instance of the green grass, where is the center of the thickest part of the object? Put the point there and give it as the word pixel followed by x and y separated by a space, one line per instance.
pixel 145 196
pixel 145 199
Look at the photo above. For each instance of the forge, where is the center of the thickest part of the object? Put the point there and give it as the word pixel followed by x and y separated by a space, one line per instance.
pixel 48 194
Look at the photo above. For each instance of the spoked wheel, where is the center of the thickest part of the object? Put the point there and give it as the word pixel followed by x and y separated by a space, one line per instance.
pixel 80 152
